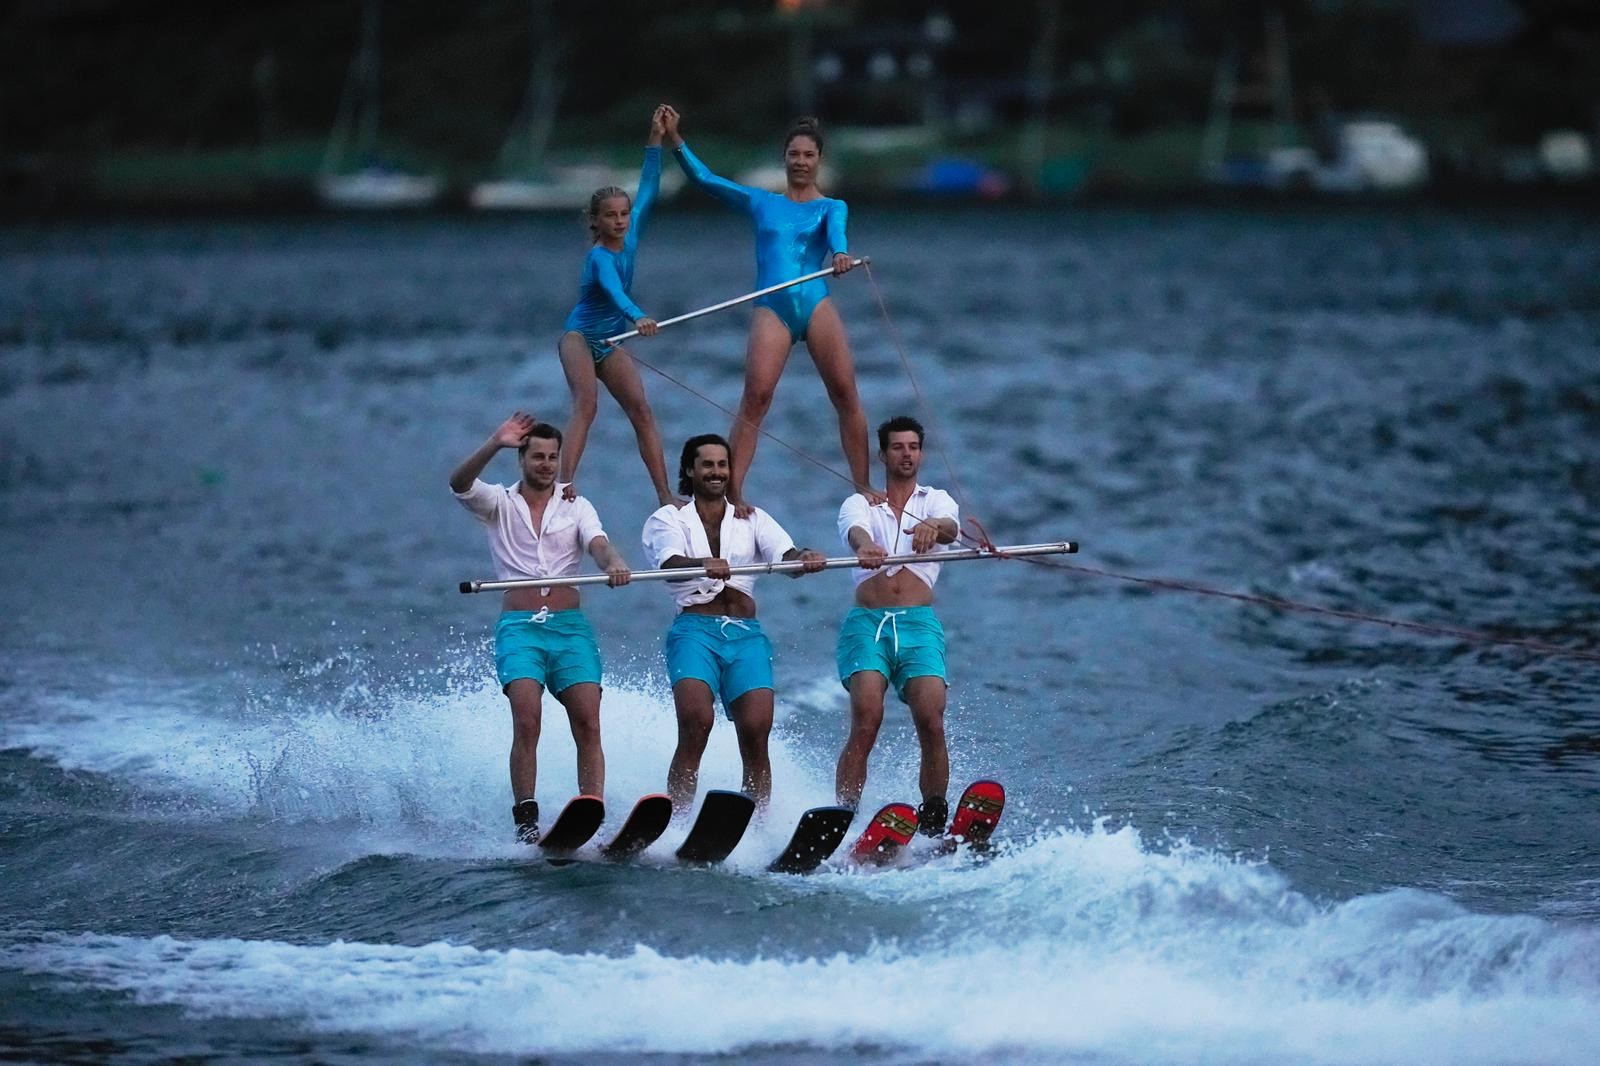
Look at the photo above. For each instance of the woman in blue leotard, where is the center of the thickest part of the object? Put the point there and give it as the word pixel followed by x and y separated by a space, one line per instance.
pixel 604 310
pixel 798 231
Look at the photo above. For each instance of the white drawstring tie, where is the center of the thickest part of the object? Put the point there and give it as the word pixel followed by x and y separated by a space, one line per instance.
pixel 890 619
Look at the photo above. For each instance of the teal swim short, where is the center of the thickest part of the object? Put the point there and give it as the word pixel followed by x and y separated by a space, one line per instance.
pixel 898 642
pixel 732 655
pixel 554 648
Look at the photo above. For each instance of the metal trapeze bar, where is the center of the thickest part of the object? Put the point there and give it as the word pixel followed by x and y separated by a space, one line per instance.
pixel 689 573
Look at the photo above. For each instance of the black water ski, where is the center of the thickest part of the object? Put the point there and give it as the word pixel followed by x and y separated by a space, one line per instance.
pixel 574 825
pixel 647 821
pixel 722 821
pixel 820 832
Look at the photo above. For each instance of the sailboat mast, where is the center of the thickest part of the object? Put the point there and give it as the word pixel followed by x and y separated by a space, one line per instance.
pixel 524 148
pixel 355 128
pixel 367 136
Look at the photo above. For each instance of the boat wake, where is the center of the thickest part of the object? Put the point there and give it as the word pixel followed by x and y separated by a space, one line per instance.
pixel 1076 944
pixel 1081 942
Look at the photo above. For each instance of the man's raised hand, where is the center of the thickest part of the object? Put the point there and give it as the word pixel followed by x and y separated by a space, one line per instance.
pixel 514 430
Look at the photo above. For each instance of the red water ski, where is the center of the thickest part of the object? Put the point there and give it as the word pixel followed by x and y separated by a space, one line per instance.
pixel 890 830
pixel 977 813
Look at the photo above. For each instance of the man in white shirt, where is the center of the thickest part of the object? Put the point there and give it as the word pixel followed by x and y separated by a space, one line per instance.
pixel 715 646
pixel 892 635
pixel 542 639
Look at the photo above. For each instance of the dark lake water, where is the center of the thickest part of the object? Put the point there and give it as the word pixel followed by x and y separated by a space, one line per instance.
pixel 252 755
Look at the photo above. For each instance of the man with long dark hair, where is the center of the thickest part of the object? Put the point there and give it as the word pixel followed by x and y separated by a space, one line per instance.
pixel 715 646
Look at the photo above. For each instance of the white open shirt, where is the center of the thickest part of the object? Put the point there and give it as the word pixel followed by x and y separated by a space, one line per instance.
pixel 676 530
pixel 889 531
pixel 520 551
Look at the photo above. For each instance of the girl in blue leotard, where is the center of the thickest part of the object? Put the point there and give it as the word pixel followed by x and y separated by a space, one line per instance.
pixel 798 231
pixel 604 310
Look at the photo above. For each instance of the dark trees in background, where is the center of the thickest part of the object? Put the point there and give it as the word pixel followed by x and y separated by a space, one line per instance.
pixel 81 76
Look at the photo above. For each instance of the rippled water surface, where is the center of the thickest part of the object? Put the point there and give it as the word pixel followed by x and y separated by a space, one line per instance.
pixel 252 757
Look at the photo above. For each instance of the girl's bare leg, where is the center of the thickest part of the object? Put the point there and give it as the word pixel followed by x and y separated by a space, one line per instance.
pixel 621 377
pixel 578 364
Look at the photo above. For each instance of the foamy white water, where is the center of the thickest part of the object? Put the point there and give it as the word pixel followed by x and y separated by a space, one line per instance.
pixel 1077 945
pixel 421 773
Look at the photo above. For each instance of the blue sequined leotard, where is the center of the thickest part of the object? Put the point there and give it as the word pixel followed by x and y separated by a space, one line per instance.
pixel 604 307
pixel 792 239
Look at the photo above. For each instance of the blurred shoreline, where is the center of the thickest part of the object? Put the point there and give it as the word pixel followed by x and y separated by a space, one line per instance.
pixel 375 106
pixel 35 190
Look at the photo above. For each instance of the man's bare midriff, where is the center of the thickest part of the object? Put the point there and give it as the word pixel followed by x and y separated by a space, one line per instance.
pixel 560 598
pixel 730 601
pixel 899 589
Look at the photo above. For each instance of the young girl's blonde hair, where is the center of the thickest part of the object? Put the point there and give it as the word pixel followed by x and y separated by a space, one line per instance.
pixel 601 196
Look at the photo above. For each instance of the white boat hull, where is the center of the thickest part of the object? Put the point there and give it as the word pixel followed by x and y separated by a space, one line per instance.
pixel 374 191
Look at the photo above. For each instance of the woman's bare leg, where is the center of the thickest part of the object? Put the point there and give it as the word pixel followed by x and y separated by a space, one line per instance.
pixel 621 377
pixel 830 351
pixel 765 355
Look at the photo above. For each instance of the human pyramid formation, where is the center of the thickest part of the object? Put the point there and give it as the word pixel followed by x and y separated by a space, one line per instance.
pixel 540 527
